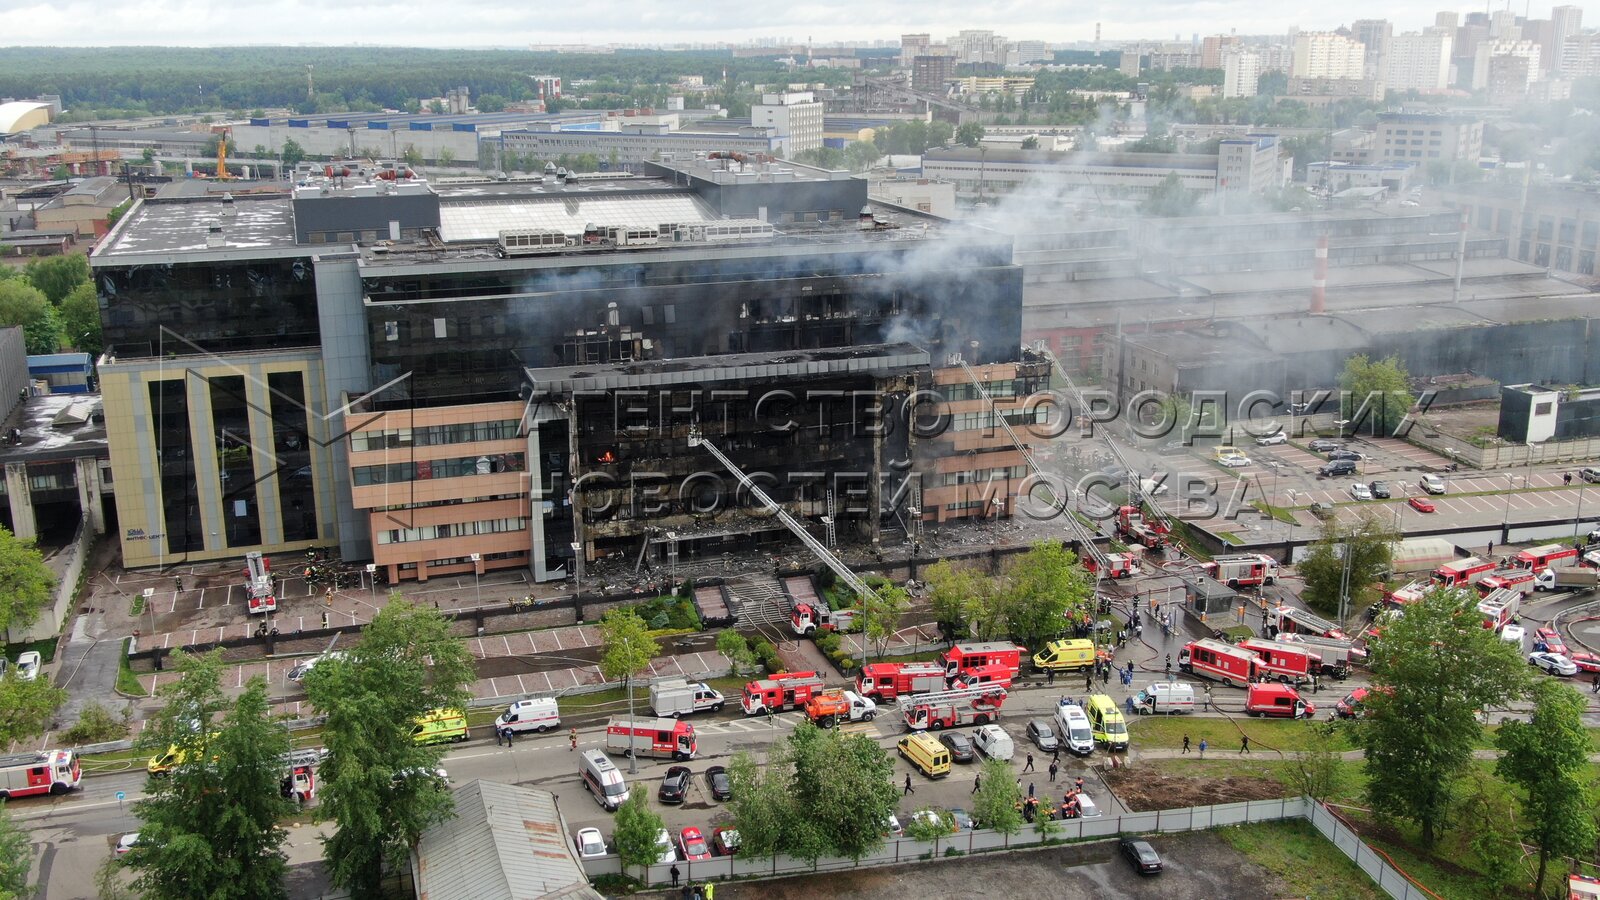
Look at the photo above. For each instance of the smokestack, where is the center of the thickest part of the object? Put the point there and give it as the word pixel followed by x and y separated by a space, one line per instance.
pixel 1319 278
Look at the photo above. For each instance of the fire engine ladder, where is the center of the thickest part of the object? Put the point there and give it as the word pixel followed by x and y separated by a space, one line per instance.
pixel 698 439
pixel 1103 566
pixel 297 758
pixel 954 697
pixel 829 522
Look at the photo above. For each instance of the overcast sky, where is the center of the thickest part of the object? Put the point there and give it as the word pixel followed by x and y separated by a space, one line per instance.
pixel 516 24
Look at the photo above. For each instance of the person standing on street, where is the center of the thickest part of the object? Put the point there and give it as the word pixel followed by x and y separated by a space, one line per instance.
pixel 572 737
pixel 1054 768
pixel 1244 744
pixel 909 788
pixel 977 782
pixel 1029 766
pixel 675 875
pixel 1185 744
pixel 1202 748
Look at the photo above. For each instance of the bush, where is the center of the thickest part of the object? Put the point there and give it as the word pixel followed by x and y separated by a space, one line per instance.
pixel 612 883
pixel 767 655
pixel 96 725
pixel 669 612
pixel 828 643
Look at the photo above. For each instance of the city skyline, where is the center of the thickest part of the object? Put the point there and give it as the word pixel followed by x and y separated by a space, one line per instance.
pixel 77 23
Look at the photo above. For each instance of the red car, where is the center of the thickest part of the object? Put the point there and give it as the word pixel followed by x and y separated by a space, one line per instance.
pixel 1548 640
pixel 1586 662
pixel 694 845
pixel 1421 504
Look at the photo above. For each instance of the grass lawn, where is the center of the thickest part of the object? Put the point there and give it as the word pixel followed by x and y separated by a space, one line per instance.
pixel 1299 855
pixel 1450 869
pixel 127 681
pixel 46 649
pixel 1266 735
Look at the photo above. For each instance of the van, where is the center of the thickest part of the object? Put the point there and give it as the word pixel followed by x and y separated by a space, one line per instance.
pixel 994 742
pixel 1589 474
pixel 1066 655
pixel 538 714
pixel 602 778
pixel 1106 723
pixel 436 726
pixel 1164 698
pixel 1337 467
pixel 1074 727
pixel 923 751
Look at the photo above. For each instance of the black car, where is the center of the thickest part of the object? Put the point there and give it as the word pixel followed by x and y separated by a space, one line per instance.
pixel 719 785
pixel 1380 490
pixel 959 745
pixel 1144 858
pixel 1344 454
pixel 1323 445
pixel 1337 467
pixel 675 785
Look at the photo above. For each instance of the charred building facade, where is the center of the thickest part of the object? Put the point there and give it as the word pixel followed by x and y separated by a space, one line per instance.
pixel 506 374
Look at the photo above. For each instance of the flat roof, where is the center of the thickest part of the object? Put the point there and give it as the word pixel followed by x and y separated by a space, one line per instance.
pixel 260 225
pixel 504 842
pixel 1207 162
pixel 728 367
pixel 42 441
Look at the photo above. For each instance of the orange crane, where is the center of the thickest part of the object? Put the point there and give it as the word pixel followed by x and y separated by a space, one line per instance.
pixel 223 137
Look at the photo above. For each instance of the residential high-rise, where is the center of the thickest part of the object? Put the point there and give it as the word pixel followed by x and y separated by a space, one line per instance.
pixel 1323 54
pixel 1130 62
pixel 1420 61
pixel 1241 72
pixel 913 46
pixel 796 118
pixel 979 46
pixel 1509 78
pixel 1213 48
pixel 1565 21
pixel 1374 35
pixel 1032 52
pixel 1580 56
pixel 1503 25
pixel 1488 50
pixel 929 73
pixel 1447 20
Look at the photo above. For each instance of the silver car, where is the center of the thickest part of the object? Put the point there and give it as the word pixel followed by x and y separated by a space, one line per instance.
pixel 1359 491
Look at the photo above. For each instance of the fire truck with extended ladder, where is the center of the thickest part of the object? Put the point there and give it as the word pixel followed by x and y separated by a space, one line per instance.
pixel 954 709
pixel 263 595
pixel 300 778
pixel 1132 527
pixel 1298 621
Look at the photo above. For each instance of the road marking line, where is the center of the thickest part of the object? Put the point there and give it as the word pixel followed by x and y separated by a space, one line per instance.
pixel 202 599
pixel 520 686
pixel 507 642
pixel 557 635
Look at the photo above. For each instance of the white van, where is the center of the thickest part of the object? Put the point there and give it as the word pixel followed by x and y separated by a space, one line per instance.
pixel 536 714
pixel 1162 697
pixel 994 742
pixel 603 779
pixel 1073 724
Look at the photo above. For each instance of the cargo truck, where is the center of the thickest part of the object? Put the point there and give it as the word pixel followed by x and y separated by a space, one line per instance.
pixel 834 706
pixel 678 697
pixel 1567 578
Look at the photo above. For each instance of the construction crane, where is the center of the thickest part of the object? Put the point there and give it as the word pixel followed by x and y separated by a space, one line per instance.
pixel 222 153
pixel 699 441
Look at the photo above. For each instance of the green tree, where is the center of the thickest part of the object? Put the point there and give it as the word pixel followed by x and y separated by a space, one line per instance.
pixel 821 157
pixel 969 134
pixel 26 707
pixel 1422 709
pixel 405 665
pixel 880 615
pixel 1486 810
pixel 1374 394
pixel 1044 586
pixel 948 591
pixel 448 156
pixel 411 156
pixel 843 792
pixel 96 724
pixel 732 645
pixel 628 651
pixel 1318 771
pixel 998 804
pixel 761 806
pixel 23 304
pixel 860 155
pixel 436 107
pixel 939 133
pixel 1548 757
pixel 80 319
pixel 491 103
pixel 636 830
pixel 148 157
pixel 929 825
pixel 1169 198
pixel 16 857
pixel 292 153
pixel 1031 142
pixel 1370 540
pixel 26 583
pixel 210 826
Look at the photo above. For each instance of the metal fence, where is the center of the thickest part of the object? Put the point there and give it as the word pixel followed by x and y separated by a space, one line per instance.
pixel 1371 862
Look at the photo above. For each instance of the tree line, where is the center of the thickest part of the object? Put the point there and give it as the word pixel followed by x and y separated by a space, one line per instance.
pixel 53 298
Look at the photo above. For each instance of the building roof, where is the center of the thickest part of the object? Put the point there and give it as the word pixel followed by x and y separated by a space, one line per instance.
pixel 727 367
pixel 259 225
pixel 483 220
pixel 504 842
pixel 21 115
pixel 81 430
pixel 1201 161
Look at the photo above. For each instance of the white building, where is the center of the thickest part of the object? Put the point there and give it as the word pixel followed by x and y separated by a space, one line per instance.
pixel 1580 56
pixel 796 119
pixel 1420 61
pixel 1565 22
pixel 1375 35
pixel 1488 50
pixel 1241 72
pixel 979 46
pixel 913 46
pixel 1323 54
pixel 1026 52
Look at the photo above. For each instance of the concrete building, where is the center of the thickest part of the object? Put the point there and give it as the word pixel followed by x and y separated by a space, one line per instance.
pixel 382 367
pixel 1487 51
pixel 635 143
pixel 1420 61
pixel 1319 92
pixel 1101 177
pixel 1028 52
pixel 926 195
pixel 1509 79
pixel 1339 176
pixel 1374 35
pixel 1423 137
pixel 83 208
pixel 1241 73
pixel 392 135
pixel 1565 22
pixel 795 118
pixel 930 74
pixel 1249 165
pixel 1557 228
pixel 1214 49
pixel 1324 54
pixel 1130 63
pixel 913 46
pixel 1580 56
pixel 978 46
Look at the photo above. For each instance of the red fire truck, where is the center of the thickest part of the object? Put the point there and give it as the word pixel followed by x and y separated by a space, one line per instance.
pixel 300 778
pixel 1411 593
pixel 1543 557
pixel 662 738
pixel 1118 565
pixel 998 674
pixel 886 681
pixel 1293 620
pixel 1523 581
pixel 44 772
pixel 1133 527
pixel 1243 570
pixel 955 708
pixel 1500 607
pixel 1462 572
pixel 258 585
pixel 776 693
pixel 1219 661
pixel 1277 700
pixel 1289 663
pixel 982 656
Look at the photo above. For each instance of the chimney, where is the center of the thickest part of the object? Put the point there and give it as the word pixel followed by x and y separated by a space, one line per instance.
pixel 1319 278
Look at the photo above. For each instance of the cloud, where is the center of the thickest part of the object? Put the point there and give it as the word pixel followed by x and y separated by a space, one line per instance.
pixel 505 24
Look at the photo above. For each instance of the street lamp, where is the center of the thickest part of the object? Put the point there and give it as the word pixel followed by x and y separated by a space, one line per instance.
pixel 1577 518
pixel 1505 520
pixel 372 580
pixel 477 569
pixel 577 560
pixel 672 558
pixel 150 604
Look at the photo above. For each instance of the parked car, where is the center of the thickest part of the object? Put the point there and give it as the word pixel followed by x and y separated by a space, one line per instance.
pixel 1337 467
pixel 1322 509
pixel 1042 735
pixel 1549 640
pixel 1587 663
pixel 693 844
pixel 1144 858
pixel 1589 474
pixel 892 827
pixel 1273 439
pixel 127 842
pixel 675 785
pixel 668 850
pixel 1380 489
pixel 1342 453
pixel 1433 484
pixel 959 745
pixel 1552 663
pixel 963 821
pixel 590 843
pixel 1234 460
pixel 930 817
pixel 718 784
pixel 725 842
pixel 28 664
pixel 1359 491
pixel 1173 448
pixel 1513 634
pixel 1323 445
pixel 1422 505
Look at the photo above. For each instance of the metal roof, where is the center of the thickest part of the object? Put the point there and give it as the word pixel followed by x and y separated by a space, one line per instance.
pixel 505 842
pixel 568 212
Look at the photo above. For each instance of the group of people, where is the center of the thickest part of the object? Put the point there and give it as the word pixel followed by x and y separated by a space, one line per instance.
pixel 705 890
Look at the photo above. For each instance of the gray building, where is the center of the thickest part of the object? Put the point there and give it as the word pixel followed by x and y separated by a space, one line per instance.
pixel 636 143
pixel 1555 226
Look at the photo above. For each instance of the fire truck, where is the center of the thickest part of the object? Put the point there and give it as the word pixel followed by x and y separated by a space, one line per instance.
pixel 1219 661
pixel 983 657
pixel 1543 557
pixel 663 738
pixel 1337 653
pixel 300 778
pixel 999 674
pixel 955 708
pixel 1292 620
pixel 1289 663
pixel 1500 607
pixel 263 598
pixel 809 613
pixel 1411 593
pixel 1462 572
pixel 1133 528
pixel 1523 581
pixel 1118 565
pixel 786 690
pixel 886 681
pixel 43 772
pixel 1244 570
